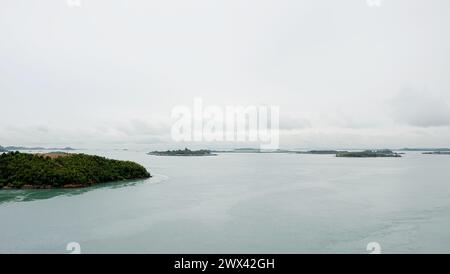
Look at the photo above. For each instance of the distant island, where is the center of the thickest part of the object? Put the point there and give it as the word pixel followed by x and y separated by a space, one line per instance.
pixel 183 152
pixel 239 150
pixel 63 170
pixel 426 149
pixel 2 149
pixel 252 150
pixel 438 153
pixel 15 148
pixel 337 153
pixel 321 152
pixel 369 154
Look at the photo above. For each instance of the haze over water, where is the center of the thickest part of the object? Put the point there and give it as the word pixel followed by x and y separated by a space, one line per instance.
pixel 242 203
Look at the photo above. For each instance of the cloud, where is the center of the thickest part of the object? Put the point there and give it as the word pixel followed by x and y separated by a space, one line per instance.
pixel 129 131
pixel 133 127
pixel 291 123
pixel 420 109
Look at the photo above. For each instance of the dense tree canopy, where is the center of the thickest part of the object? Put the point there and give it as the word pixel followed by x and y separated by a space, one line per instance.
pixel 369 154
pixel 23 169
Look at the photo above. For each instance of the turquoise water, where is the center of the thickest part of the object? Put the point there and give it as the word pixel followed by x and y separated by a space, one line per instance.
pixel 242 203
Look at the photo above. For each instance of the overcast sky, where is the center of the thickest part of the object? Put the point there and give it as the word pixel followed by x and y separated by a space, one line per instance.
pixel 108 73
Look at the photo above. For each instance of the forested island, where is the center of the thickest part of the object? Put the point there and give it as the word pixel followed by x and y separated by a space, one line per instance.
pixel 63 170
pixel 183 152
pixel 437 153
pixel 369 154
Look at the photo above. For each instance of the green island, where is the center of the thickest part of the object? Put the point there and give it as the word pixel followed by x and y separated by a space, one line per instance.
pixel 183 152
pixel 369 154
pixel 63 170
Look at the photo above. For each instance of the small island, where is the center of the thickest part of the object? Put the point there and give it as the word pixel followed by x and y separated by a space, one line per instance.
pixel 22 148
pixel 252 150
pixel 369 154
pixel 183 152
pixel 437 153
pixel 426 149
pixel 63 170
pixel 16 148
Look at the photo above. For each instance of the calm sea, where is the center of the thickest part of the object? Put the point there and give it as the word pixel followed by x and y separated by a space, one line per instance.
pixel 242 203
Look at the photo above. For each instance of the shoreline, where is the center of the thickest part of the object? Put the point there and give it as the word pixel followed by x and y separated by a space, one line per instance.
pixel 65 186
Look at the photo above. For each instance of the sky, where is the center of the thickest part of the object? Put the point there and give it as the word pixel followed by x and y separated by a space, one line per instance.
pixel 108 73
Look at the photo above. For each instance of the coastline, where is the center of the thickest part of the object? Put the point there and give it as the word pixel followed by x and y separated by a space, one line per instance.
pixel 65 186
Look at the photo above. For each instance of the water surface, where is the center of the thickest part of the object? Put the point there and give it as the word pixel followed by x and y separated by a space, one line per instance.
pixel 241 203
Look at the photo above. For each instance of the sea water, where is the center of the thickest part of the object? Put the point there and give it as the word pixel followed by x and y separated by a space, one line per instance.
pixel 241 203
